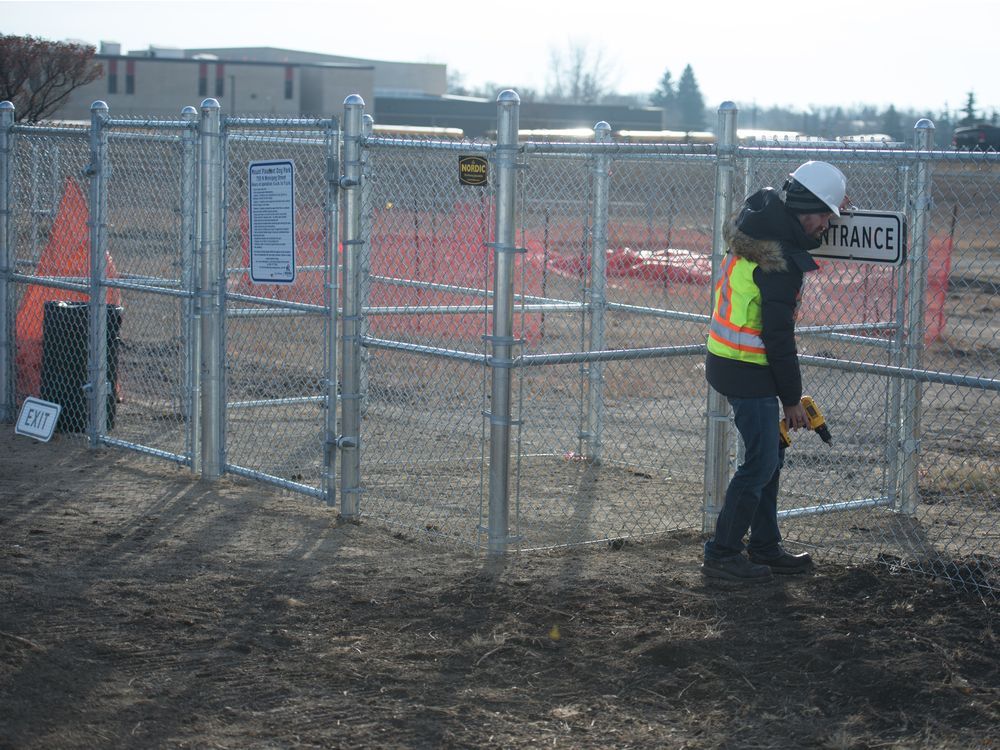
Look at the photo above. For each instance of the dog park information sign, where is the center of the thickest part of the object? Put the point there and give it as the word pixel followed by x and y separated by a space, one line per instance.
pixel 866 236
pixel 272 222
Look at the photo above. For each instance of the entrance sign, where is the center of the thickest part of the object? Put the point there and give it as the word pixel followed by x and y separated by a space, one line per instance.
pixel 272 222
pixel 37 419
pixel 867 237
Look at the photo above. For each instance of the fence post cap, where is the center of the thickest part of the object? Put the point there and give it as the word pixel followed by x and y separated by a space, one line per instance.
pixel 6 105
pixel 354 100
pixel 99 106
pixel 508 96
pixel 924 124
pixel 210 104
pixel 188 111
pixel 728 106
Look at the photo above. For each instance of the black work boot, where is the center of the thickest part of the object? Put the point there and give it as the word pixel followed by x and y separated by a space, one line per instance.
pixel 737 569
pixel 784 563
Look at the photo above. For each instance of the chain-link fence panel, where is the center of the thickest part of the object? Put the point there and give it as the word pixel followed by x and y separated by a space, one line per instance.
pixel 612 444
pixel 909 480
pixel 848 312
pixel 49 241
pixel 425 289
pixel 151 214
pixel 277 348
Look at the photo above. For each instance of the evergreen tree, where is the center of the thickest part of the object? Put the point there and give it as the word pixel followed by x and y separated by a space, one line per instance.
pixel 892 125
pixel 690 103
pixel 969 110
pixel 665 97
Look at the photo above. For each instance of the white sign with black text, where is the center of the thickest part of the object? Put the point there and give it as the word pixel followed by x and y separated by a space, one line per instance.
pixel 867 237
pixel 37 419
pixel 272 222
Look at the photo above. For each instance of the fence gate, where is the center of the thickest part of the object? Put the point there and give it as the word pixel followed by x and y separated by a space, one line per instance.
pixel 280 317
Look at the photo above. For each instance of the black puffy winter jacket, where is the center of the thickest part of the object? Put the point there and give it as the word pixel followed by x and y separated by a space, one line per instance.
pixel 767 233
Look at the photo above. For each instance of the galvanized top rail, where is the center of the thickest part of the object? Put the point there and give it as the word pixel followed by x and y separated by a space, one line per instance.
pixel 287 139
pixel 271 122
pixel 119 122
pixel 146 137
pixel 892 154
pixel 436 145
pixel 49 130
pixel 612 148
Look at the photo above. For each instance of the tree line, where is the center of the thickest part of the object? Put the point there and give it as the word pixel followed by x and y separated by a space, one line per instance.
pixel 38 75
pixel 580 75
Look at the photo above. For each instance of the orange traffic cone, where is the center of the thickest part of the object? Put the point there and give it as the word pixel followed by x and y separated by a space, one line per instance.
pixel 67 254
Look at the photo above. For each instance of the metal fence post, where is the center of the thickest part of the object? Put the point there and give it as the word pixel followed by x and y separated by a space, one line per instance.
pixel 365 259
pixel 6 266
pixel 502 340
pixel 331 210
pixel 897 354
pixel 189 253
pixel 598 293
pixel 909 493
pixel 211 290
pixel 349 441
pixel 717 436
pixel 97 357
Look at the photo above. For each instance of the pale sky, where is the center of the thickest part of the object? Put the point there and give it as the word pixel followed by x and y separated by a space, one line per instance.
pixel 914 54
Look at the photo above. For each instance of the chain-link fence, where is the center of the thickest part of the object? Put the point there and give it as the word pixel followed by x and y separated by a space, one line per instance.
pixel 515 363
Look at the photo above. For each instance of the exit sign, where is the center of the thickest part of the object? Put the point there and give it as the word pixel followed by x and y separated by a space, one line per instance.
pixel 37 419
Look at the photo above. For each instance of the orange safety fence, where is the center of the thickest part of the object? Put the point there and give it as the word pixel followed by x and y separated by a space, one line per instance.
pixel 844 292
pixel 411 251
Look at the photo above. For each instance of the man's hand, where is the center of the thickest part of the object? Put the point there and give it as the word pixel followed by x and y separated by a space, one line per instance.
pixel 796 417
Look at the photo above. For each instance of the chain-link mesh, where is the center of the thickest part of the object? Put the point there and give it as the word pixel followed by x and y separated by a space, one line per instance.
pixel 612 291
pixel 50 254
pixel 150 265
pixel 426 281
pixel 909 474
pixel 622 452
pixel 277 334
pixel 614 448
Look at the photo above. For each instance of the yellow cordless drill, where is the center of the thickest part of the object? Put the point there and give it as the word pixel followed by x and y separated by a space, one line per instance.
pixel 816 422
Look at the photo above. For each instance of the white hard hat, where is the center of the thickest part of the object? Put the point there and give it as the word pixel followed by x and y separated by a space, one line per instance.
pixel 824 181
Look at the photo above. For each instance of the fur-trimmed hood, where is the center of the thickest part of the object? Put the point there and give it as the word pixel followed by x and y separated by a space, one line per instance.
pixel 763 231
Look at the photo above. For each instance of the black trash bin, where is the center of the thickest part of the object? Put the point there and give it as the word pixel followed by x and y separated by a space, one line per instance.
pixel 65 346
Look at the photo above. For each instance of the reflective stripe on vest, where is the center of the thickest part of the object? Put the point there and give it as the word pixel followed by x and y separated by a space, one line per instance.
pixel 736 325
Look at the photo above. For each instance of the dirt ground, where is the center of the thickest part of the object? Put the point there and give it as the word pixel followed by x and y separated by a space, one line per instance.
pixel 144 608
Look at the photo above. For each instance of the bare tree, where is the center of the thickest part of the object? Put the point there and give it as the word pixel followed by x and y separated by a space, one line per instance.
pixel 579 75
pixel 37 75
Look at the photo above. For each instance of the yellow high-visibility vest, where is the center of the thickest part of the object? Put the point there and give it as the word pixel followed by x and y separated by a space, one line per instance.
pixel 736 318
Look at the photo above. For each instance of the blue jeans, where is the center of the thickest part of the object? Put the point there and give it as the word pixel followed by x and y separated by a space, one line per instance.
pixel 752 496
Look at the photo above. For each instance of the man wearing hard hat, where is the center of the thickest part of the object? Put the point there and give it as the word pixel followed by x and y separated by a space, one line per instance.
pixel 753 362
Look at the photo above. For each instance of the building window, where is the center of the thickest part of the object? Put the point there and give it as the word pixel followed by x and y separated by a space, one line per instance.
pixel 112 76
pixel 220 79
pixel 203 79
pixel 289 80
pixel 130 77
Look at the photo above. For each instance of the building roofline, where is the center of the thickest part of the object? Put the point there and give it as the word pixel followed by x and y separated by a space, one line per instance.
pixel 234 61
pixel 289 50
